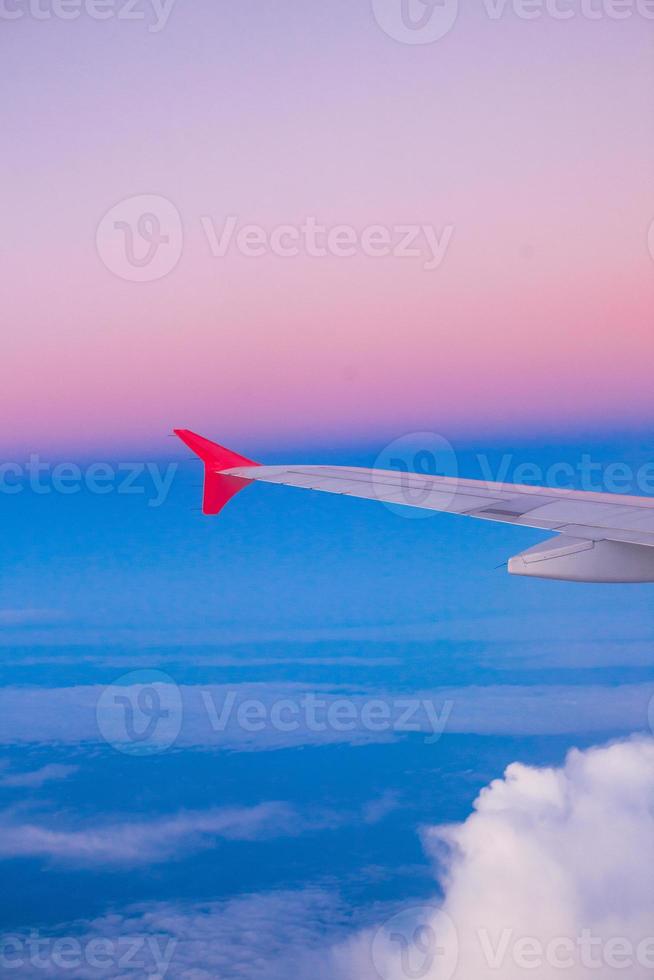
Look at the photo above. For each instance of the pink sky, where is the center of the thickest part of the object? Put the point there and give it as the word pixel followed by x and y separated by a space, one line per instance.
pixel 532 140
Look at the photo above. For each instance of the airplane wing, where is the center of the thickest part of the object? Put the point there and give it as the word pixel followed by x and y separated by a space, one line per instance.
pixel 600 537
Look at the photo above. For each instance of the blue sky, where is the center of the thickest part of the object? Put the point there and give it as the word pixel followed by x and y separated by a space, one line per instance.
pixel 286 595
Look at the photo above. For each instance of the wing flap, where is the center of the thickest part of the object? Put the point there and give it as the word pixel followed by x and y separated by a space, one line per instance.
pixel 608 534
pixel 571 559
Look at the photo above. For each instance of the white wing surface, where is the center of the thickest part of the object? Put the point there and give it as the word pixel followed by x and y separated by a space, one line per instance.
pixel 601 537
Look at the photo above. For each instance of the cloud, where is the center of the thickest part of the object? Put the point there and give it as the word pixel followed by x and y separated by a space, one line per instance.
pixel 553 866
pixel 215 715
pixel 31 617
pixel 136 842
pixel 551 874
pixel 502 640
pixel 53 772
pixel 141 842
pixel 377 810
pixel 270 936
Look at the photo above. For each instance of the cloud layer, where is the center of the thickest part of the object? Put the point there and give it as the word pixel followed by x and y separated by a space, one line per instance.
pixel 133 842
pixel 550 876
pixel 215 715
pixel 35 778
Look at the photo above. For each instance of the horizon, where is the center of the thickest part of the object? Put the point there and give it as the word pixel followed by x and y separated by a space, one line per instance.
pixel 321 736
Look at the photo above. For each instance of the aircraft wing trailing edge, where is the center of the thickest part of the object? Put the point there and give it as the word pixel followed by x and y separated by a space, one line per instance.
pixel 599 537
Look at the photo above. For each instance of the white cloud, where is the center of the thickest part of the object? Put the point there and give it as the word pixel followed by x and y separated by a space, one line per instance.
pixel 547 856
pixel 68 715
pixel 52 772
pixel 138 842
pixel 377 810
pixel 553 867
pixel 135 841
pixel 259 937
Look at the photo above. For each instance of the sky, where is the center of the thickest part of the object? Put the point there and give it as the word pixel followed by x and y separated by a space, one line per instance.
pixel 318 734
pixel 523 144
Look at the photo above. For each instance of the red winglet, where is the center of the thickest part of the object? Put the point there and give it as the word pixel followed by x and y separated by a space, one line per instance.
pixel 218 487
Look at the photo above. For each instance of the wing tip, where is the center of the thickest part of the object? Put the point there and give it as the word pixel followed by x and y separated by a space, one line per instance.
pixel 211 453
pixel 219 487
